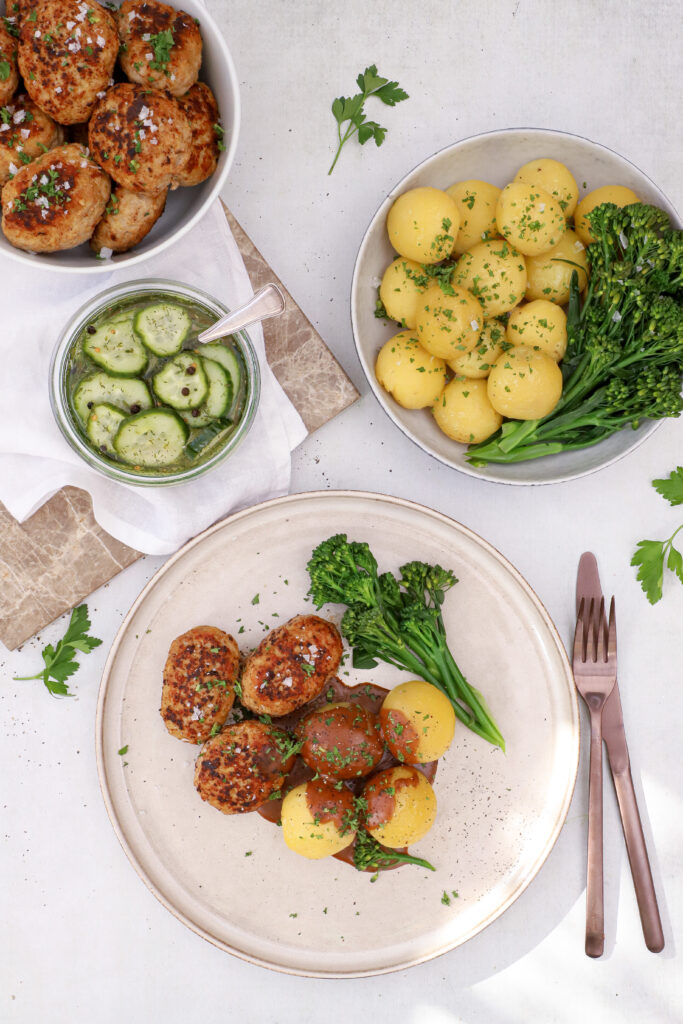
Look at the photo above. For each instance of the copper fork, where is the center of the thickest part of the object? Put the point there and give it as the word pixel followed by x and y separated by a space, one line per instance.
pixel 595 673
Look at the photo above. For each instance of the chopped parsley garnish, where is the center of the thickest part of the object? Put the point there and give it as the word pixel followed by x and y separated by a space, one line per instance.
pixel 220 132
pixel 4 70
pixel 161 44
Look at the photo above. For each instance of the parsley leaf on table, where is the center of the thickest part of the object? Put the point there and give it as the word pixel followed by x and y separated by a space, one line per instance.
pixel 652 556
pixel 60 662
pixel 671 487
pixel 351 109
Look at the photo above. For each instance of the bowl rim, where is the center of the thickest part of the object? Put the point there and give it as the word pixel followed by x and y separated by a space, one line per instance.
pixel 646 430
pixel 219 178
pixel 59 402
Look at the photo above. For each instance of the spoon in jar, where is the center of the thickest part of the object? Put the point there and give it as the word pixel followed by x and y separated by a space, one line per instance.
pixel 265 303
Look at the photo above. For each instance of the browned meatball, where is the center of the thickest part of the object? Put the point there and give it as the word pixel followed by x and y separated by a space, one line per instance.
pixel 141 138
pixel 199 683
pixel 241 767
pixel 67 52
pixel 54 202
pixel 291 666
pixel 201 109
pixel 25 132
pixel 129 216
pixel 9 76
pixel 341 741
pixel 161 47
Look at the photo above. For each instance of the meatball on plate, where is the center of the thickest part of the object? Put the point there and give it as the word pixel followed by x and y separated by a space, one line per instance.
pixel 161 47
pixel 141 138
pixel 291 666
pixel 67 53
pixel 54 202
pixel 186 43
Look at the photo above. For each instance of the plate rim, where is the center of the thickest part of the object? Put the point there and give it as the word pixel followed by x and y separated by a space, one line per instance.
pixel 303 497
pixel 647 430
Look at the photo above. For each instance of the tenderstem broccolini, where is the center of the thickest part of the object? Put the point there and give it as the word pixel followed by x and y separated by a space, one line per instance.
pixel 624 359
pixel 397 621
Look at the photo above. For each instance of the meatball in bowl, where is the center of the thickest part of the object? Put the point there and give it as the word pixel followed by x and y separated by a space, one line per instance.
pixel 150 89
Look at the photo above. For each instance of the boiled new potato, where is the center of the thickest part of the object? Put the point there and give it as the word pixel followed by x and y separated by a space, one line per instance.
pixel 554 178
pixel 617 194
pixel 464 411
pixel 402 289
pixel 317 819
pixel 422 224
pixel 549 275
pixel 413 377
pixel 495 273
pixel 418 722
pixel 401 806
pixel 525 384
pixel 449 324
pixel 478 361
pixel 529 218
pixel 476 201
pixel 542 325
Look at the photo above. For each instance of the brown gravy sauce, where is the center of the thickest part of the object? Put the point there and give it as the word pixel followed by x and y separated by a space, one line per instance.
pixel 369 696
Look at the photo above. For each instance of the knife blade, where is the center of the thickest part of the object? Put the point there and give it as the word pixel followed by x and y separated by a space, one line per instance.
pixel 587 587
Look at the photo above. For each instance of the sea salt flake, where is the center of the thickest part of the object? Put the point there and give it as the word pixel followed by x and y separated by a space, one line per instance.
pixel 474 324
pixel 541 207
pixel 18 116
pixel 25 132
pixel 616 316
pixel 623 239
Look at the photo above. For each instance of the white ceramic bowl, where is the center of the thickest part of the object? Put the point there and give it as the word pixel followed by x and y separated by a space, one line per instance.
pixel 495 157
pixel 185 206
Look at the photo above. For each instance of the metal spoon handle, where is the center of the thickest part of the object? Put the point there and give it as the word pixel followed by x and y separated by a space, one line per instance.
pixel 266 302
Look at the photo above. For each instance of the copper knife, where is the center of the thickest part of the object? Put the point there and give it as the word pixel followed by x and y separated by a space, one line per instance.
pixel 588 586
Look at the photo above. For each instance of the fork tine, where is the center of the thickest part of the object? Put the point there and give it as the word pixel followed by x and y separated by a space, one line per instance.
pixel 612 633
pixel 600 633
pixel 580 633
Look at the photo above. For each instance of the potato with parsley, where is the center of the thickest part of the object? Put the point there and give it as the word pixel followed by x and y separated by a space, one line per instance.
pixel 418 722
pixel 401 806
pixel 617 194
pixel 318 819
pixel 549 275
pixel 494 272
pixel 477 363
pixel 413 377
pixel 401 291
pixel 554 178
pixel 524 384
pixel 464 411
pixel 422 225
pixel 542 325
pixel 476 202
pixel 529 218
pixel 449 322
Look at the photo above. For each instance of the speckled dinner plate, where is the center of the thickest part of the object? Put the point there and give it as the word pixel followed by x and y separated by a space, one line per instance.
pixel 232 879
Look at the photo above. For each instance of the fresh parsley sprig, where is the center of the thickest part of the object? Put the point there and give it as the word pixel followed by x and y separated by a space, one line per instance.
pixel 350 109
pixel 652 556
pixel 60 661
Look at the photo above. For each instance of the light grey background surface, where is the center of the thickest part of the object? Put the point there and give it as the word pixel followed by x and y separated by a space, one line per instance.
pixel 82 939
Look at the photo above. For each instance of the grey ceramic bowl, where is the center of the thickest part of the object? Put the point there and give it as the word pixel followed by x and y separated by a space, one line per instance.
pixel 185 206
pixel 495 157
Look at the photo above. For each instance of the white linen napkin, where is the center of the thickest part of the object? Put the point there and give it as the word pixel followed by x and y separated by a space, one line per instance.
pixel 36 461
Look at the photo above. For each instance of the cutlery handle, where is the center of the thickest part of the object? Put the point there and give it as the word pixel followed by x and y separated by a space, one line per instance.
pixel 638 859
pixel 595 911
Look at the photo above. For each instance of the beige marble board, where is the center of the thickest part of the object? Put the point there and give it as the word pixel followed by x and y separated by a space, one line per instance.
pixel 61 555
